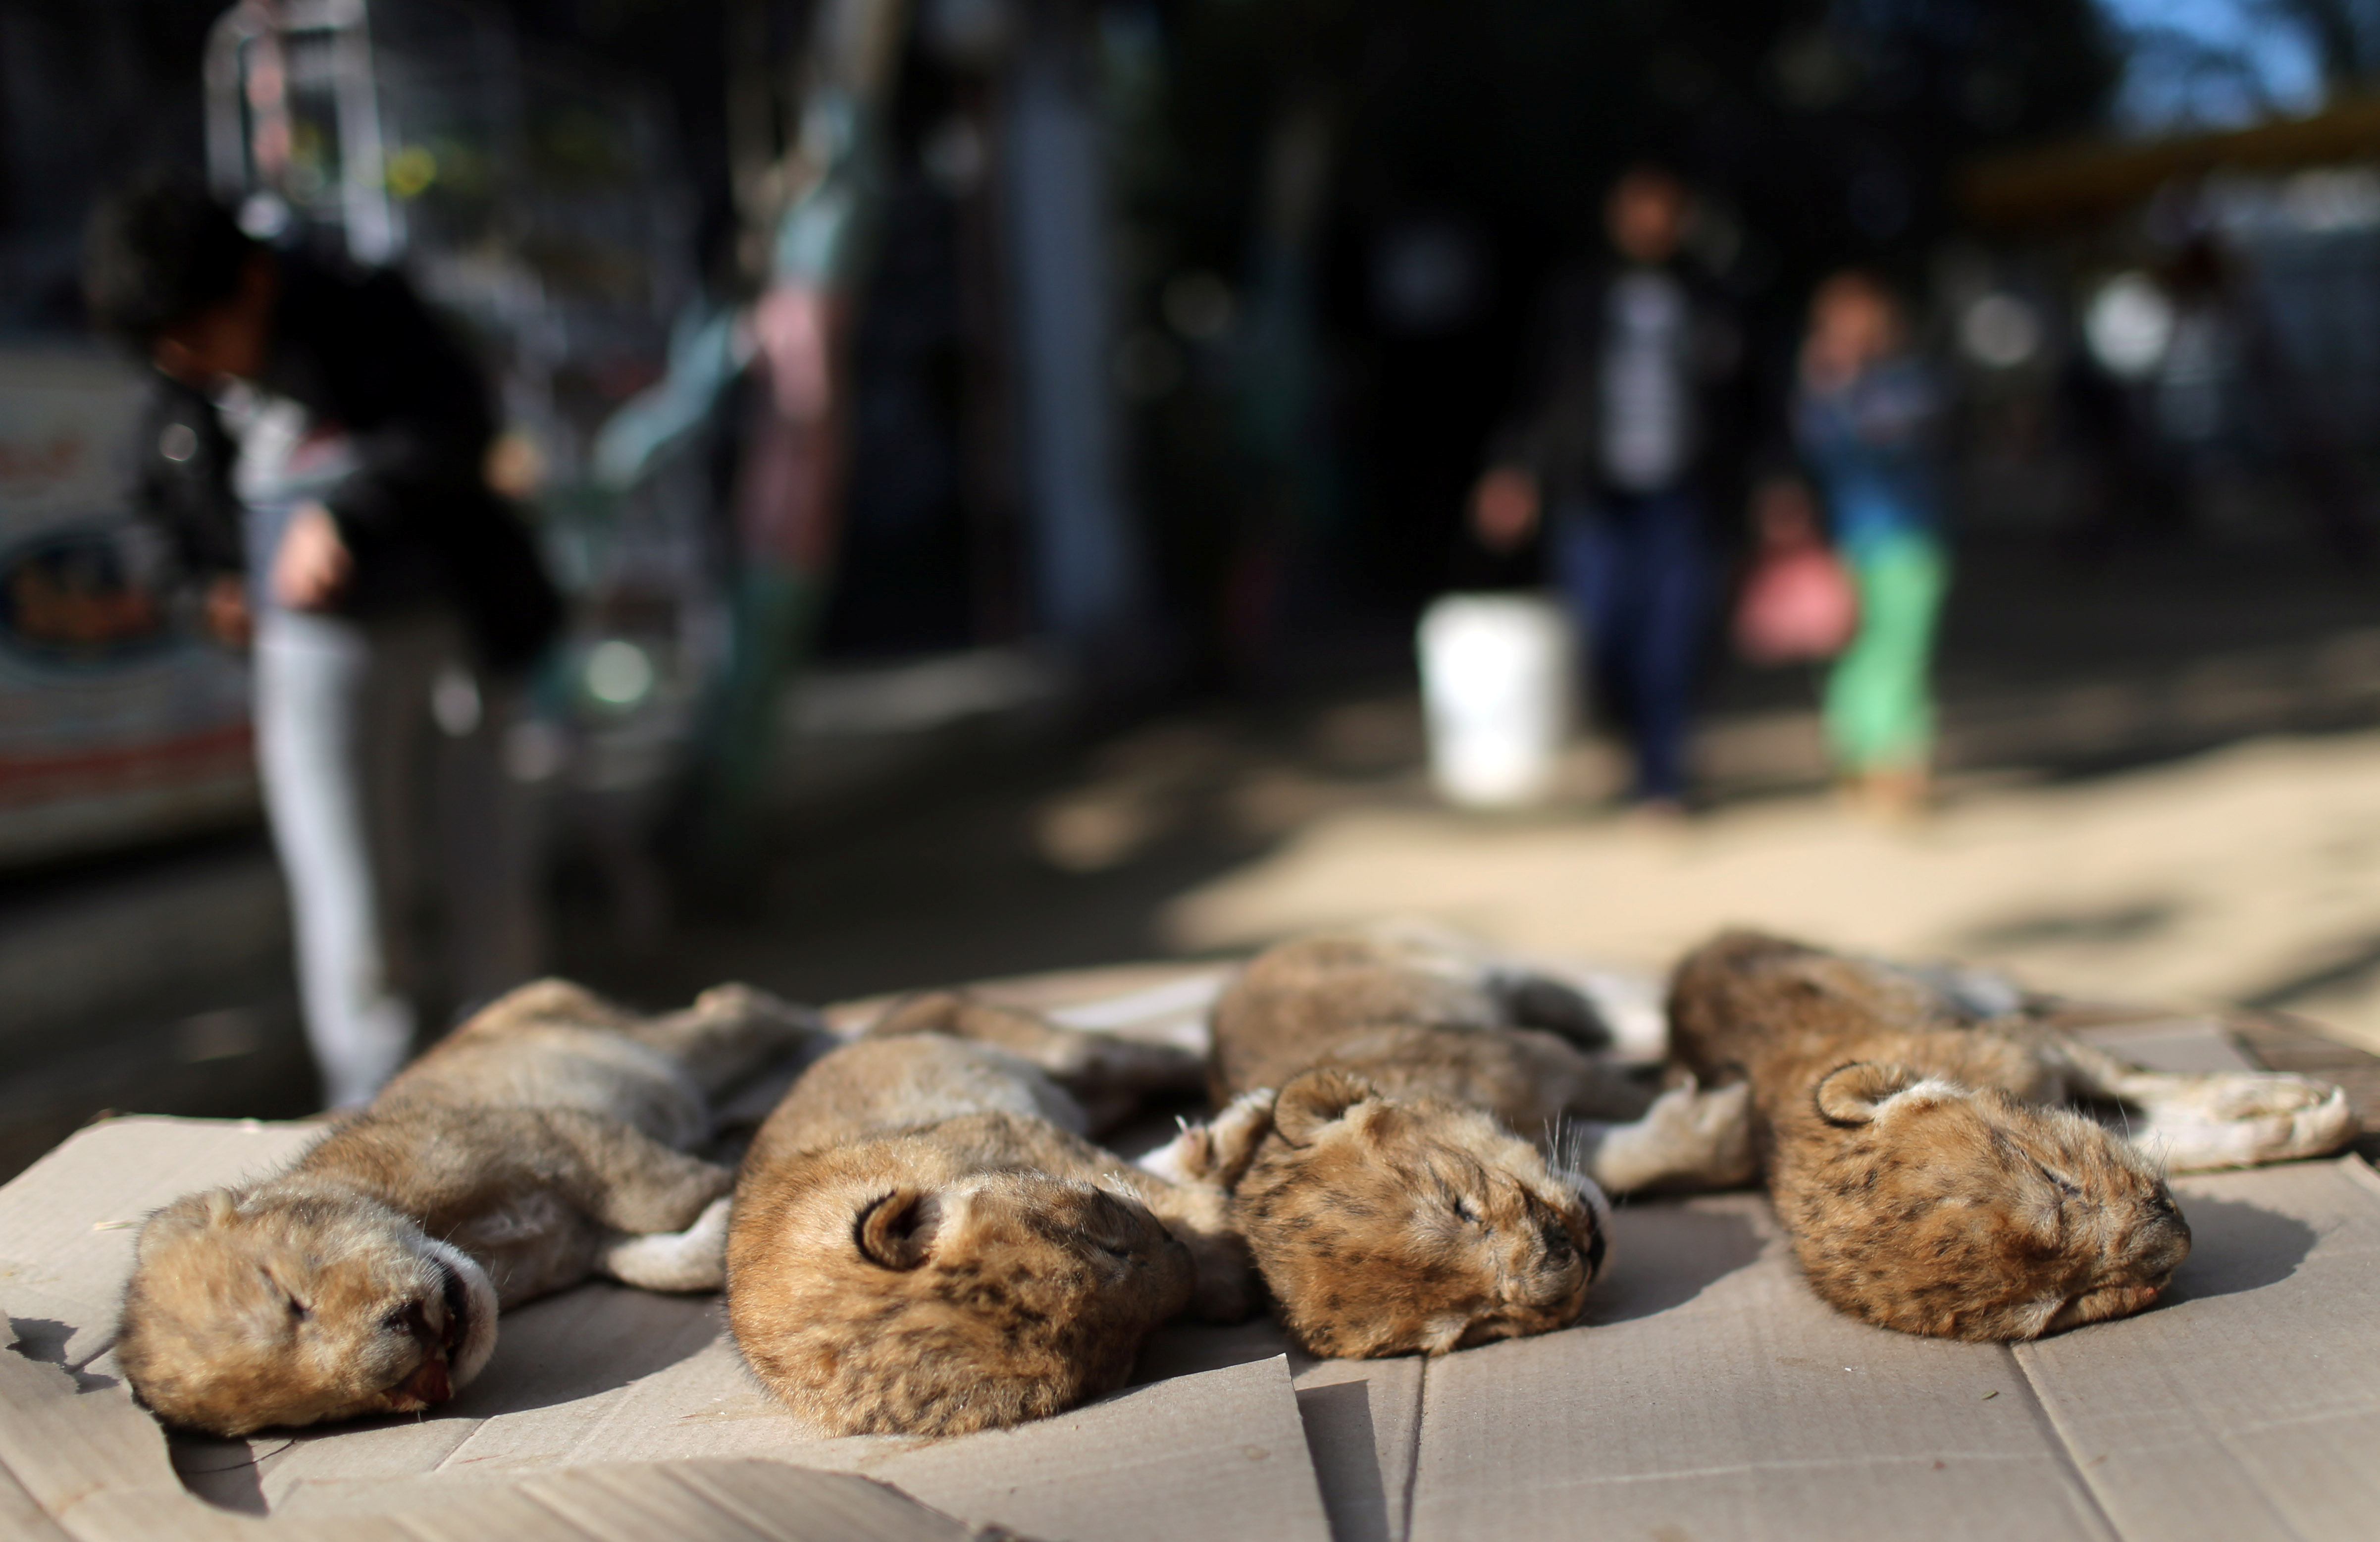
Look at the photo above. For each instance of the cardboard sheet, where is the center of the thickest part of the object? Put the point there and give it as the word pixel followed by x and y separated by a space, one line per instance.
pixel 1710 1394
pixel 2185 1044
pixel 1707 1394
pixel 1163 1004
pixel 598 1380
pixel 1361 1416
pixel 67 1222
pixel 2249 1404
pixel 1173 1460
pixel 75 1445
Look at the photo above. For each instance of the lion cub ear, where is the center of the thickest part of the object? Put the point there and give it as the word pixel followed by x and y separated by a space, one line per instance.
pixel 897 1232
pixel 1314 1100
pixel 1850 1095
pixel 185 1218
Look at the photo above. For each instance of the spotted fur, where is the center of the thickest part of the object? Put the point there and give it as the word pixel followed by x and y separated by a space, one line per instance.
pixel 1919 1164
pixel 1387 1195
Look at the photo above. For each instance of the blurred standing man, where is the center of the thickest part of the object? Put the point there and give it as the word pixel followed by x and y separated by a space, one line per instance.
pixel 1611 449
pixel 318 431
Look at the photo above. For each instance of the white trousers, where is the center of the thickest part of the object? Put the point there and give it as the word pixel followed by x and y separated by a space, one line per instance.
pixel 384 781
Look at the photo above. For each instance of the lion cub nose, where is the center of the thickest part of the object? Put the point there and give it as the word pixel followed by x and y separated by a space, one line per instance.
pixel 2169 1245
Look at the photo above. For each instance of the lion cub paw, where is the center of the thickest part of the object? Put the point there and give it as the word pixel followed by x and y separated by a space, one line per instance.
pixel 2247 1119
pixel 1708 1134
pixel 1689 1138
pixel 694 1259
pixel 1217 1151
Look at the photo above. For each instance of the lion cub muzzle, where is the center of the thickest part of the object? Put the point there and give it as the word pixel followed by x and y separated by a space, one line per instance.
pixel 292 1308
pixel 454 1332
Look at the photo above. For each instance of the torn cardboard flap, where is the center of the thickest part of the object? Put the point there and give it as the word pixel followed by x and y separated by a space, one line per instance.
pixel 1360 1416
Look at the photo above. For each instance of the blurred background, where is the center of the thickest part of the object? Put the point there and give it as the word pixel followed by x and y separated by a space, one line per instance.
pixel 1019 440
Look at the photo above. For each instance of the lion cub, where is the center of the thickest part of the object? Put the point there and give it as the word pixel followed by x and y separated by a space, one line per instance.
pixel 1384 1192
pixel 539 1143
pixel 1920 1164
pixel 924 1244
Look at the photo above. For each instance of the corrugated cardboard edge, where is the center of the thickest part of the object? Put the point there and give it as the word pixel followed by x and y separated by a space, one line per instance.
pixel 94 1469
pixel 1233 1445
pixel 1363 1419
pixel 1359 1416
pixel 1215 1452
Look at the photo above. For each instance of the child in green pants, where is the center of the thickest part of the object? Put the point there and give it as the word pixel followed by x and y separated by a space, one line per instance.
pixel 1863 415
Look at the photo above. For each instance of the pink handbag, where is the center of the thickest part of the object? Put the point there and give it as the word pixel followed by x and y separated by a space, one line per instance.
pixel 1798 605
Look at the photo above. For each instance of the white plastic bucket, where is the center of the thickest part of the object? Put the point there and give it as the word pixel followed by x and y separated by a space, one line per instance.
pixel 1498 690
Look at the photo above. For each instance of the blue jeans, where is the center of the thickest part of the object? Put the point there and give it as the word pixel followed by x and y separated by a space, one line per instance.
pixel 1636 568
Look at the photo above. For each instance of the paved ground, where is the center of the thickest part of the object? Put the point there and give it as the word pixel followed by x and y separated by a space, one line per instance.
pixel 2163 782
pixel 2251 874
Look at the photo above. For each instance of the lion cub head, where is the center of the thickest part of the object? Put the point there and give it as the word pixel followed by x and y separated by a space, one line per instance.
pixel 286 1305
pixel 1932 1208
pixel 1386 1227
pixel 879 1288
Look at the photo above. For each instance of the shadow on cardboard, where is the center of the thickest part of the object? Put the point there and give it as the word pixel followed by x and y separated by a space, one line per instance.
pixel 1664 1255
pixel 2236 1246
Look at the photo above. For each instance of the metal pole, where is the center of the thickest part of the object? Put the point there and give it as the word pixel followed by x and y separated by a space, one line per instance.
pixel 374 227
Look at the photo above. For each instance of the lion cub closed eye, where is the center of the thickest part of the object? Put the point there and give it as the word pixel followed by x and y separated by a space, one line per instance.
pixel 537 1144
pixel 1391 1225
pixel 1385 1194
pixel 925 1245
pixel 1920 1165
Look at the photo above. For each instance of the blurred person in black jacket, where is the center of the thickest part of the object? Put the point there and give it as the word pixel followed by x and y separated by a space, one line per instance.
pixel 1623 428
pixel 316 450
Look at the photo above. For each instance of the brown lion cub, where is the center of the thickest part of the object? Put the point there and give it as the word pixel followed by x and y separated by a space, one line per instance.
pixel 925 1245
pixel 1385 1195
pixel 539 1143
pixel 1920 1164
